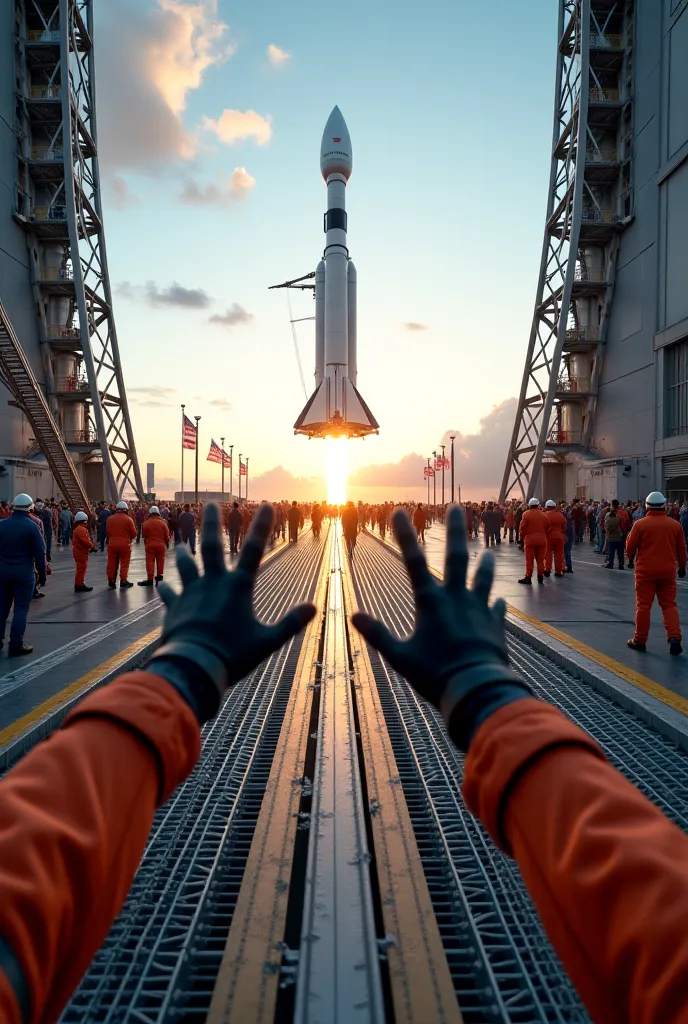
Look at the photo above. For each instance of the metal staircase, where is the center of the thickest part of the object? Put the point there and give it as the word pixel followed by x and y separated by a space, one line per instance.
pixel 20 380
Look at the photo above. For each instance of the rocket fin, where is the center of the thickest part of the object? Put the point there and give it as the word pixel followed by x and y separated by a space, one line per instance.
pixel 356 411
pixel 315 412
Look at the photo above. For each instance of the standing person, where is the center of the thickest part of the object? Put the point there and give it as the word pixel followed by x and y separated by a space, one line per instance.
pixel 139 519
pixel 658 545
pixel 510 523
pixel 420 519
pixel 578 516
pixel 382 520
pixel 294 519
pixel 46 518
pixel 533 533
pixel 156 537
pixel 120 530
pixel 103 513
pixel 316 519
pixel 22 561
pixel 638 513
pixel 492 520
pixel 613 527
pixel 173 524
pixel 601 535
pixel 81 548
pixel 187 528
pixel 235 521
pixel 350 526
pixel 65 535
pixel 470 516
pixel 592 521
pixel 568 538
pixel 556 539
pixel 518 516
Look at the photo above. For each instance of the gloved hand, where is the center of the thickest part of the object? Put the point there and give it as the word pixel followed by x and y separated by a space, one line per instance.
pixel 211 638
pixel 41 580
pixel 682 574
pixel 458 646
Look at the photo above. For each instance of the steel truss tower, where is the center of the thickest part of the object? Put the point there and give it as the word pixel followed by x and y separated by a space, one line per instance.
pixel 59 205
pixel 589 203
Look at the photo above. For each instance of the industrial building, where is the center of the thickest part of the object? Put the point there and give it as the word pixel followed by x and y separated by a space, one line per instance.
pixel 603 409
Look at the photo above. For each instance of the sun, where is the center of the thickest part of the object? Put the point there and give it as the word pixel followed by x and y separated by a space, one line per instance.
pixel 337 467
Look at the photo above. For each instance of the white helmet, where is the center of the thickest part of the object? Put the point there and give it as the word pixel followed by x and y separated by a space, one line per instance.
pixel 154 510
pixel 23 502
pixel 550 504
pixel 40 505
pixel 122 506
pixel 533 503
pixel 81 517
pixel 655 499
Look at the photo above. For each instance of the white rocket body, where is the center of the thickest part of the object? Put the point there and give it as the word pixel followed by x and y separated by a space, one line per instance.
pixel 335 408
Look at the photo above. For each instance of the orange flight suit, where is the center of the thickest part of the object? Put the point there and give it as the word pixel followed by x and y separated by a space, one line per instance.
pixel 156 537
pixel 556 536
pixel 658 545
pixel 120 530
pixel 81 545
pixel 533 533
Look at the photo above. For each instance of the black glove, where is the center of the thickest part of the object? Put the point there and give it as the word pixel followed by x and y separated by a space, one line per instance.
pixel 682 574
pixel 458 646
pixel 211 638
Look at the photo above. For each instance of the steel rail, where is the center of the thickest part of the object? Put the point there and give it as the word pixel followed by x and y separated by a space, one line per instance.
pixel 155 962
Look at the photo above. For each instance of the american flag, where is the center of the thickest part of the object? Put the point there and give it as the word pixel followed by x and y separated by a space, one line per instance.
pixel 442 463
pixel 243 469
pixel 428 471
pixel 215 453
pixel 226 460
pixel 188 434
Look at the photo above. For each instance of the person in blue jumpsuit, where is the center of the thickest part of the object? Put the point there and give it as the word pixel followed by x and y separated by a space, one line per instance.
pixel 103 513
pixel 22 559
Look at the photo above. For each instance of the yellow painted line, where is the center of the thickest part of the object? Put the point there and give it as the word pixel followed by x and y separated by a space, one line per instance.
pixel 629 675
pixel 248 980
pixel 420 979
pixel 23 724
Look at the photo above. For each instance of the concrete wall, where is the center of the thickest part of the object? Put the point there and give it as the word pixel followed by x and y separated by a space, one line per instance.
pixel 15 280
pixel 651 293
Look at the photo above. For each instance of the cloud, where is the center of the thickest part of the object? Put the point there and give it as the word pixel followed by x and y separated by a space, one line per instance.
pixel 152 391
pixel 277 56
pixel 411 325
pixel 279 484
pixel 237 187
pixel 233 316
pixel 221 403
pixel 237 125
pixel 174 295
pixel 118 192
pixel 478 459
pixel 156 54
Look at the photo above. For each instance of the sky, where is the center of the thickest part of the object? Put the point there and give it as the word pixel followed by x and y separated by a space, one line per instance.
pixel 210 116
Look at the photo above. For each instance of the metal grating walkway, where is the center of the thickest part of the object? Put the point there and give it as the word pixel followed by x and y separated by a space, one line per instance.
pixel 504 967
pixel 161 957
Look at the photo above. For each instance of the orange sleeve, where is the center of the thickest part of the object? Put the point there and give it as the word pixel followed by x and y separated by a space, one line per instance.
pixel 632 540
pixel 75 814
pixel 608 872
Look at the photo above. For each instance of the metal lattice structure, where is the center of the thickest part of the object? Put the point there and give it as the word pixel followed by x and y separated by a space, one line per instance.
pixel 589 203
pixel 59 205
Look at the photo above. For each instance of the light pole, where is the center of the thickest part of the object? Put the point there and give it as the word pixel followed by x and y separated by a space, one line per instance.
pixel 222 441
pixel 240 478
pixel 428 476
pixel 197 418
pixel 231 470
pixel 434 486
pixel 443 446
pixel 452 439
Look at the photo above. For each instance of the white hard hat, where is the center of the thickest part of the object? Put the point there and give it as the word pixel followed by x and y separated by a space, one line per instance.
pixel 533 503
pixel 40 505
pixel 23 501
pixel 550 504
pixel 122 506
pixel 154 510
pixel 655 499
pixel 81 517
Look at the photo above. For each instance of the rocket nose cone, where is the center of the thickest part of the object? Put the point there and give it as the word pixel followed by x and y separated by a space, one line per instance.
pixel 335 150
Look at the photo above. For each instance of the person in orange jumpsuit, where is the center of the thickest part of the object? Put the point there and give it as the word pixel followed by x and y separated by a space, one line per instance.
pixel 156 537
pixel 533 533
pixel 556 538
pixel 120 530
pixel 607 871
pixel 81 548
pixel 658 545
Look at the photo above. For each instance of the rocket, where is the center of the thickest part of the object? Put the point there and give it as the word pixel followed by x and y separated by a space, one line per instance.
pixel 335 408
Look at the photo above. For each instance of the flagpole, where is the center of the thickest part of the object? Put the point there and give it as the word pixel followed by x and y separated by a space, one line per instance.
pixel 182 488
pixel 197 418
pixel 247 478
pixel 240 478
pixel 231 470
pixel 443 446
pixel 222 497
